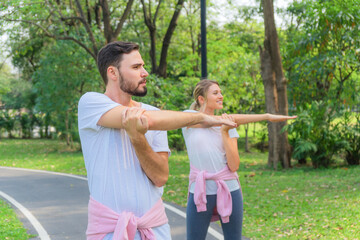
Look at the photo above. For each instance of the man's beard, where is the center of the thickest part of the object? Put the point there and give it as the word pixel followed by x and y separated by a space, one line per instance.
pixel 126 87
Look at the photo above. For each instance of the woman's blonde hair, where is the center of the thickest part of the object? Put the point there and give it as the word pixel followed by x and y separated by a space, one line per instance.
pixel 201 89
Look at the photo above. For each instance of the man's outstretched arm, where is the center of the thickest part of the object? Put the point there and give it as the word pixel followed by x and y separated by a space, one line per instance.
pixel 163 119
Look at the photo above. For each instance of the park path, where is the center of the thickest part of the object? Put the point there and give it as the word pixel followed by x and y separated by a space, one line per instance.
pixel 53 206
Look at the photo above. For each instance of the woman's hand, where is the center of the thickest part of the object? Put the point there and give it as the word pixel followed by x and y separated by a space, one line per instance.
pixel 279 118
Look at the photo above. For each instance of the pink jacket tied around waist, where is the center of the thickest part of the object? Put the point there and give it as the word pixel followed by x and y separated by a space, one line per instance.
pixel 103 220
pixel 223 198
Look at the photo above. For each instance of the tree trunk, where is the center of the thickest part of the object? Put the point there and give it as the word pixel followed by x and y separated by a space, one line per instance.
pixel 275 90
pixel 254 130
pixel 151 25
pixel 247 138
pixel 271 104
pixel 153 51
pixel 166 42
pixel 67 134
pixel 47 124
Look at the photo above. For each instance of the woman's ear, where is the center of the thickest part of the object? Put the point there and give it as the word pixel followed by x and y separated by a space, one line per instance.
pixel 201 100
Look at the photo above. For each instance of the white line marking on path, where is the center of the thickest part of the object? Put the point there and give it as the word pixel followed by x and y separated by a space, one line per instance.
pixel 39 228
pixel 48 172
pixel 212 231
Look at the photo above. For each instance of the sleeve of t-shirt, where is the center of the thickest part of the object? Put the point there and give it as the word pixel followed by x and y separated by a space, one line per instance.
pixel 160 142
pixel 233 133
pixel 91 107
pixel 185 130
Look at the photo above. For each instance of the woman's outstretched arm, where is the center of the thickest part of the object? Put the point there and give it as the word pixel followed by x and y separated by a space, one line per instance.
pixel 249 118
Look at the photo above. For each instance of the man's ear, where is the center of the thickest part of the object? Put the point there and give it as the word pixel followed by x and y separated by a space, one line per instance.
pixel 112 73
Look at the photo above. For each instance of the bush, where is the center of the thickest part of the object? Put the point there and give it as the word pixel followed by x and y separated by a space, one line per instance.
pixel 314 135
pixel 176 140
pixel 7 121
pixel 350 132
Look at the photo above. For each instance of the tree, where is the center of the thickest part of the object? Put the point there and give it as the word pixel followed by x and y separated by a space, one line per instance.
pixel 324 59
pixel 5 79
pixel 58 94
pixel 323 63
pixel 150 21
pixel 87 23
pixel 275 90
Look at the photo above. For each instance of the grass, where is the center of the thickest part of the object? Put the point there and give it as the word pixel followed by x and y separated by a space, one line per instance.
pixel 10 227
pixel 50 155
pixel 300 203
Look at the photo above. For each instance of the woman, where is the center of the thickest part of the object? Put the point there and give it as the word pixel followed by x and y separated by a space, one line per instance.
pixel 214 188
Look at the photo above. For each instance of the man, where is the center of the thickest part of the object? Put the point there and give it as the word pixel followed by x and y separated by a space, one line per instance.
pixel 126 164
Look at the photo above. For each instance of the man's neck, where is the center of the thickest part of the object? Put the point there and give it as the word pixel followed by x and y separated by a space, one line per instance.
pixel 122 98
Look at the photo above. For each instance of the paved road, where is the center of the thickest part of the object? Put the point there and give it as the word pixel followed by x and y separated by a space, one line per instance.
pixel 59 203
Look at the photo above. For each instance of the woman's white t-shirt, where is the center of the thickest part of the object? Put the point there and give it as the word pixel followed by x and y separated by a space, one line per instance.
pixel 206 152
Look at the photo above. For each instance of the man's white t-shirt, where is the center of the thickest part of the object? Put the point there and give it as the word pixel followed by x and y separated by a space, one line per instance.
pixel 115 176
pixel 206 152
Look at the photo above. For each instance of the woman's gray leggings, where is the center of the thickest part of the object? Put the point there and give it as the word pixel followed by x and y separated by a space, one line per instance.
pixel 197 223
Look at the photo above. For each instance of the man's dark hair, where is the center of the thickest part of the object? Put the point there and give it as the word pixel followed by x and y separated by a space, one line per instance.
pixel 111 55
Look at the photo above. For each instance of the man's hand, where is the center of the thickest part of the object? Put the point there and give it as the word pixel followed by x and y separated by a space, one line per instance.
pixel 209 121
pixel 154 164
pixel 134 122
pixel 226 128
pixel 279 118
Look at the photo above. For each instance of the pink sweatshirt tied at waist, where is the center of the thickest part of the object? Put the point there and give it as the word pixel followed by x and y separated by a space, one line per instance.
pixel 103 220
pixel 223 198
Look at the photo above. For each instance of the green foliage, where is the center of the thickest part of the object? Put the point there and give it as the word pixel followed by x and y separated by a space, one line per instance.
pixel 59 71
pixel 5 79
pixel 323 60
pixel 302 148
pixel 14 92
pixel 169 93
pixel 7 121
pixel 239 71
pixel 58 94
pixel 349 131
pixel 19 95
pixel 27 124
pixel 322 51
pixel 321 131
pixel 314 135
pixel 27 50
